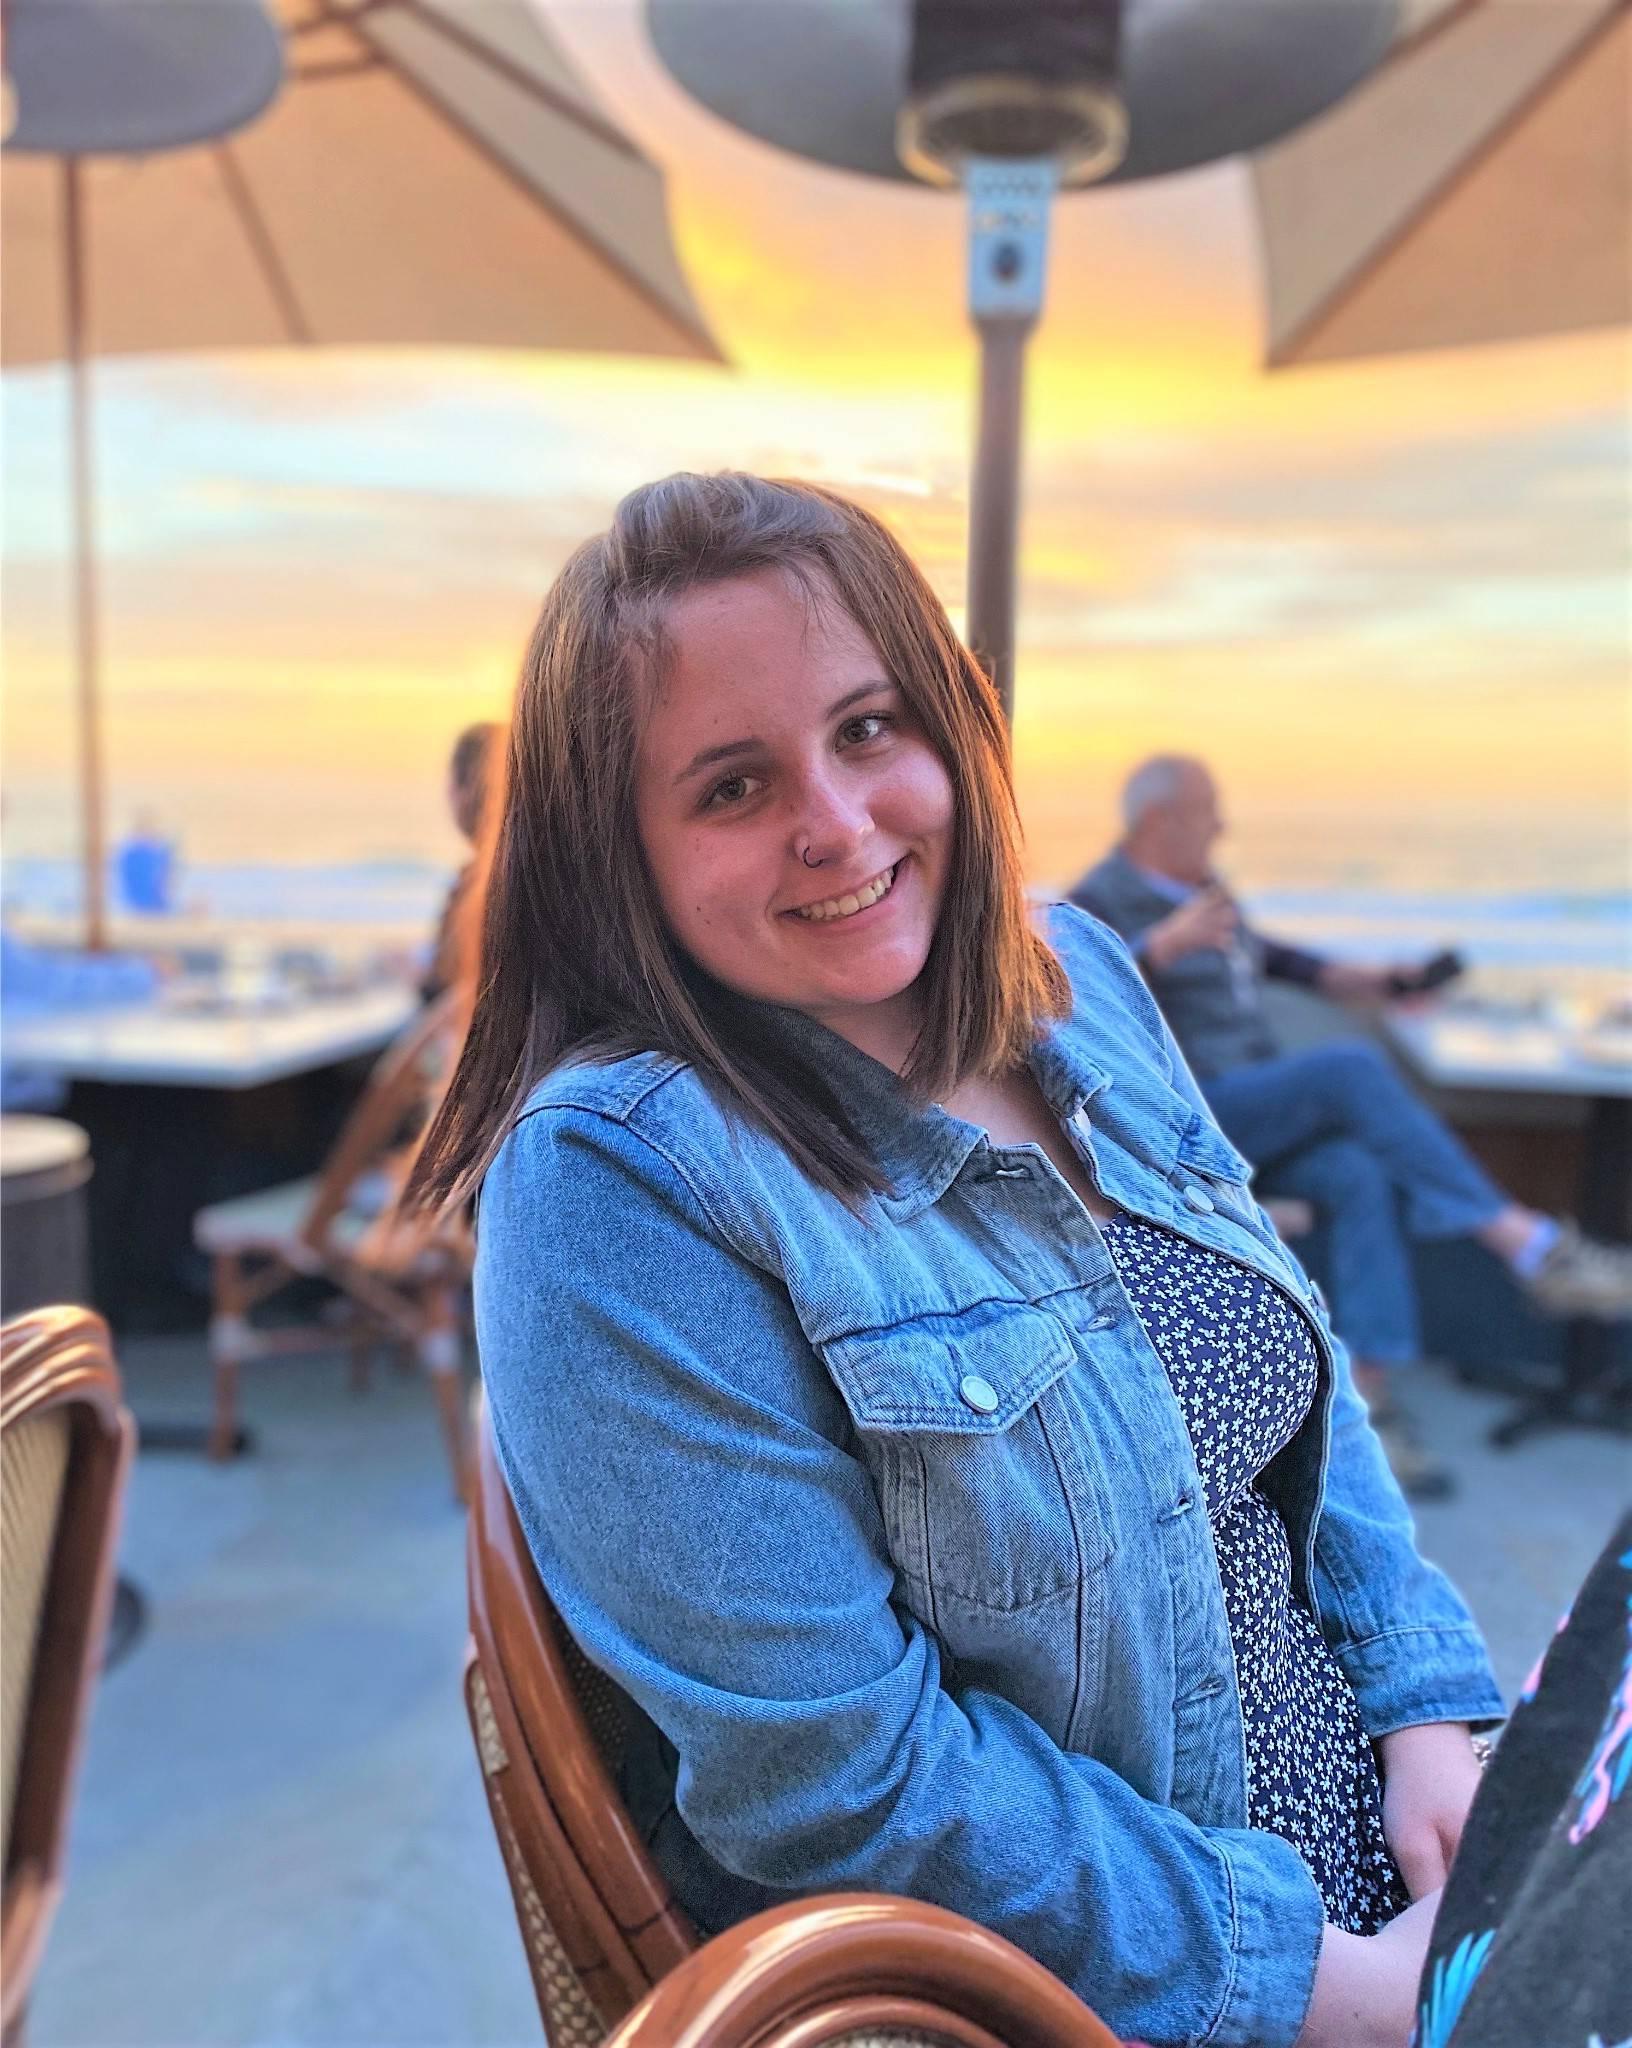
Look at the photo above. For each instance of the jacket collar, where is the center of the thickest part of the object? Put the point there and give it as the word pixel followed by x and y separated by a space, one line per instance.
pixel 922 1148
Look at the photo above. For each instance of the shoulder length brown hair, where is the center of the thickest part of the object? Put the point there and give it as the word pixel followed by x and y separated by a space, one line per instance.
pixel 574 956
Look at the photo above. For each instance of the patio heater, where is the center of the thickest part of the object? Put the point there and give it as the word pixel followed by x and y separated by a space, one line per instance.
pixel 1014 102
pixel 1010 103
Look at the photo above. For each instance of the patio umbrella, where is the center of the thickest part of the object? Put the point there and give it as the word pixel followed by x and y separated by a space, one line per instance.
pixel 432 172
pixel 1478 187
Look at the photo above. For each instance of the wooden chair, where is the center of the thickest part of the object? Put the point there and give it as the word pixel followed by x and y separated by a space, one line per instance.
pixel 399 1283
pixel 857 1970
pixel 65 1446
pixel 613 1957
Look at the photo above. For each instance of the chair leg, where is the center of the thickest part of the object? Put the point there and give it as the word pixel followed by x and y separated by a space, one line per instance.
pixel 439 1354
pixel 229 1344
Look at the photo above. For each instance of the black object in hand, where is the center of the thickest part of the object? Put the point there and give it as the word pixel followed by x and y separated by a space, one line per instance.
pixel 1434 973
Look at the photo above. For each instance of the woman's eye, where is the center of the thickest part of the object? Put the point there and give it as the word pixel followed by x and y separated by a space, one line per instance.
pixel 867 726
pixel 729 790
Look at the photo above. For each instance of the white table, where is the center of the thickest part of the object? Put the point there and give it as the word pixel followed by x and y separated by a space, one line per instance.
pixel 167 1091
pixel 153 1045
pixel 1452 1048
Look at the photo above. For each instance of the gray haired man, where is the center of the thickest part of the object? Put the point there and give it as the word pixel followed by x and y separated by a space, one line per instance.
pixel 1334 1125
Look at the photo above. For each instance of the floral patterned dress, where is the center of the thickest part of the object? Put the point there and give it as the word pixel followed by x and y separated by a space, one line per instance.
pixel 1243 1364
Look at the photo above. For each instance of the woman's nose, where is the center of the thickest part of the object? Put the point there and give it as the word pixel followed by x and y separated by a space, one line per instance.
pixel 830 823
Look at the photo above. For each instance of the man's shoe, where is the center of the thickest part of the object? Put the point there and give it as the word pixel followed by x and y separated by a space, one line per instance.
pixel 1420 1474
pixel 1580 1276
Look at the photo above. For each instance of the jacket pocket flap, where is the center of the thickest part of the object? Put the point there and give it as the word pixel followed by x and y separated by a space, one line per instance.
pixel 970 1373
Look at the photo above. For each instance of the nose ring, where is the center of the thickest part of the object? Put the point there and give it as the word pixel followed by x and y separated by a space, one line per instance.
pixel 809 863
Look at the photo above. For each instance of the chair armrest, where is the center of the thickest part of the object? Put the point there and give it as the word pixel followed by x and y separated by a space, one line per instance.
pixel 828 1969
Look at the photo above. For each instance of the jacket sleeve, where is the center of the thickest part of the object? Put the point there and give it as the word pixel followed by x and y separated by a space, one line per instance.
pixel 1290 963
pixel 1406 1641
pixel 679 1462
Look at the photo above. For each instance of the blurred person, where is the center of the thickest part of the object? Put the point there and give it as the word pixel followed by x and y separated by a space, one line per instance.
pixel 145 869
pixel 902 1396
pixel 1334 1125
pixel 471 767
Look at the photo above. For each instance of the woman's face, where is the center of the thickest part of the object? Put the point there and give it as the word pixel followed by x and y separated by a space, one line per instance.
pixel 795 818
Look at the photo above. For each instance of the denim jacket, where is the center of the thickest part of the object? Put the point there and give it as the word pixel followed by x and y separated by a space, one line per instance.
pixel 890 1522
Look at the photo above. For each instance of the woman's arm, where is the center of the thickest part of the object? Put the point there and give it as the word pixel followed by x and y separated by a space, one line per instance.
pixel 1407 1642
pixel 677 1455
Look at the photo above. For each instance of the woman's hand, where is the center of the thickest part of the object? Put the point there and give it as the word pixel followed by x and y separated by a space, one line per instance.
pixel 1430 1775
pixel 1365 1992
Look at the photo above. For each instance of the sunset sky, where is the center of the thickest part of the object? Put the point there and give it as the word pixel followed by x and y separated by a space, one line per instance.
pixel 1390 601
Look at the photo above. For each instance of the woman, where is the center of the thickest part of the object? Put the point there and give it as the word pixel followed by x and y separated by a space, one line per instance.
pixel 901 1393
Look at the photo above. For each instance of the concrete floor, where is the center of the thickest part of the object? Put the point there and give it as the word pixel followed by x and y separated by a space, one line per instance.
pixel 280 1837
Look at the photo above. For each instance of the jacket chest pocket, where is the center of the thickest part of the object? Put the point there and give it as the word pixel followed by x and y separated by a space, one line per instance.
pixel 971 1422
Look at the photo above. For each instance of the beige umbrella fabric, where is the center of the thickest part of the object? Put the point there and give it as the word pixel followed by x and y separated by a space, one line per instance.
pixel 434 172
pixel 1478 188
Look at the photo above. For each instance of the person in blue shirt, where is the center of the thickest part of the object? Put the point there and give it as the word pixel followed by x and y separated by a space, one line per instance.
pixel 1333 1124
pixel 145 869
pixel 902 1394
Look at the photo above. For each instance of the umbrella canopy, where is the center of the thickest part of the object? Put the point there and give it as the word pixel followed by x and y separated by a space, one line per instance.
pixel 433 172
pixel 1477 188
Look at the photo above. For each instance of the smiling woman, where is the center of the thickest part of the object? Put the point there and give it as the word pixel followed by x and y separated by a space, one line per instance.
pixel 902 1396
pixel 743 686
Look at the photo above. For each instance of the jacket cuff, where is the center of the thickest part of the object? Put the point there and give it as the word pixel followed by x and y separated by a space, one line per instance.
pixel 1409 1676
pixel 1279 1923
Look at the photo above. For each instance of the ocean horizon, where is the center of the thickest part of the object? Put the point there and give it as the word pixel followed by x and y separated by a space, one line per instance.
pixel 1517 940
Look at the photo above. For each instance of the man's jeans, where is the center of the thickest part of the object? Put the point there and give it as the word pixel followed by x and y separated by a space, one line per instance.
pixel 1337 1127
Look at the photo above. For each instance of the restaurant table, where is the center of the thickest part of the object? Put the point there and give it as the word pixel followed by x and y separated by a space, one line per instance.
pixel 166 1045
pixel 187 1104
pixel 1454 1048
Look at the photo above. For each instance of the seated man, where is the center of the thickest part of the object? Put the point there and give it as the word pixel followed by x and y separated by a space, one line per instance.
pixel 1335 1124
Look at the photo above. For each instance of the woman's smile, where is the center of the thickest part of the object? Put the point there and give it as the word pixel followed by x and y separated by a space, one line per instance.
pixel 794 816
pixel 849 904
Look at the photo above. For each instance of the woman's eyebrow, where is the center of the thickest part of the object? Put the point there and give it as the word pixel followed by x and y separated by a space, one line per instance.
pixel 732 750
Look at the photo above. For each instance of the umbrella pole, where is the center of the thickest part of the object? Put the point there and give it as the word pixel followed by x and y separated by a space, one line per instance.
pixel 87 648
pixel 1009 201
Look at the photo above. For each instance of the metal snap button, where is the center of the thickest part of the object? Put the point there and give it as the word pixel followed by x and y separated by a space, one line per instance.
pixel 980 1394
pixel 1198 1199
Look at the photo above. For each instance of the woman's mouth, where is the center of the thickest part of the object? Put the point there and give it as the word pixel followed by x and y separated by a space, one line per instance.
pixel 864 898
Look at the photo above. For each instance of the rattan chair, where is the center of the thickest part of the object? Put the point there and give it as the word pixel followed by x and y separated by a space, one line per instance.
pixel 855 1970
pixel 612 1956
pixel 396 1283
pixel 65 1445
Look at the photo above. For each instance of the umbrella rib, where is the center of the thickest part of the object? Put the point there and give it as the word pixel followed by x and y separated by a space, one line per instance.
pixel 579 233
pixel 506 67
pixel 1299 338
pixel 256 233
